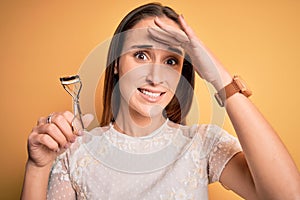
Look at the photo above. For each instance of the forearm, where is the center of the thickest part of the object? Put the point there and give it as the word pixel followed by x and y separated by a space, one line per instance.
pixel 35 182
pixel 271 166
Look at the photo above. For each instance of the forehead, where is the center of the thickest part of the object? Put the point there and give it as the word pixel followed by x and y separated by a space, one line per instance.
pixel 149 21
pixel 139 35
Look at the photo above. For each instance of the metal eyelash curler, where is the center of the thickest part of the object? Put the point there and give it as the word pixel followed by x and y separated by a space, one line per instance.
pixel 73 85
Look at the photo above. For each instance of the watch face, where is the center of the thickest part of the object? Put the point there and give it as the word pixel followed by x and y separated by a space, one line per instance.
pixel 242 86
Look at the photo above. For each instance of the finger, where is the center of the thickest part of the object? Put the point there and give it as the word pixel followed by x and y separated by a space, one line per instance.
pixel 63 121
pixel 41 121
pixel 166 38
pixel 163 37
pixel 87 119
pixel 186 28
pixel 48 142
pixel 80 124
pixel 36 140
pixel 54 132
pixel 178 34
pixel 68 116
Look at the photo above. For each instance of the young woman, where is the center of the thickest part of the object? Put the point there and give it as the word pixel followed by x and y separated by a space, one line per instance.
pixel 143 149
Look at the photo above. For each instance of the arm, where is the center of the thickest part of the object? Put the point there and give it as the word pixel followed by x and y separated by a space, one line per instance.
pixel 35 182
pixel 266 165
pixel 46 141
pixel 265 170
pixel 274 174
pixel 40 183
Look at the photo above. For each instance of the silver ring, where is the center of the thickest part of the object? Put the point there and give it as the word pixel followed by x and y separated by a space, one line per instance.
pixel 49 118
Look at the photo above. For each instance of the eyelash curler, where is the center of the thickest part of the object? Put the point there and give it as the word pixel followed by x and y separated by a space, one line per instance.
pixel 73 85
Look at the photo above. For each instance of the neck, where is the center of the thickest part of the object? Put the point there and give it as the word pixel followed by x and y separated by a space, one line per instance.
pixel 134 124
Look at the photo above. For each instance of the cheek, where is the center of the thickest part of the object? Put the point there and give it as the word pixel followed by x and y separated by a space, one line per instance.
pixel 174 75
pixel 130 78
pixel 127 63
pixel 124 66
pixel 126 85
pixel 172 78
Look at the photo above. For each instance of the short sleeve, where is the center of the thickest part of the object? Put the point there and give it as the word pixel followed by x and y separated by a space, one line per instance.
pixel 60 186
pixel 223 147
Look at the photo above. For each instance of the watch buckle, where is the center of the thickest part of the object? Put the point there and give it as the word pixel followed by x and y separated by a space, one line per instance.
pixel 219 99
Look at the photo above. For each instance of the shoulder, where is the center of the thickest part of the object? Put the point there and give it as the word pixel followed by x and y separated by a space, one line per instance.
pixel 208 136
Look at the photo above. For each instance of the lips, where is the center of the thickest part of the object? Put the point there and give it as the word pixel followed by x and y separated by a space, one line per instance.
pixel 151 95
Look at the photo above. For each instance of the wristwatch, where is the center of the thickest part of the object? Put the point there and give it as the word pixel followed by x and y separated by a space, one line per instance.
pixel 237 85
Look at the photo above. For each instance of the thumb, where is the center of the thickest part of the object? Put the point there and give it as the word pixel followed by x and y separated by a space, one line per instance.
pixel 87 119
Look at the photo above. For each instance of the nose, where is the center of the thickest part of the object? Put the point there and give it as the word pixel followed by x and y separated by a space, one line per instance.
pixel 155 74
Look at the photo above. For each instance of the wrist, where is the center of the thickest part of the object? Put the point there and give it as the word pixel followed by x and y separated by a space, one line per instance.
pixel 224 79
pixel 31 166
pixel 237 85
pixel 35 181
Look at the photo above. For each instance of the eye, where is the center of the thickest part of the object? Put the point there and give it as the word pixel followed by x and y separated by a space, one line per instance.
pixel 140 55
pixel 171 61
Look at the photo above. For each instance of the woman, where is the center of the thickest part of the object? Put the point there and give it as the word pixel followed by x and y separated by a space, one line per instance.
pixel 143 150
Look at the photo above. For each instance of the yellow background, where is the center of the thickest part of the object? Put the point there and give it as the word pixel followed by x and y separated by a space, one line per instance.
pixel 43 40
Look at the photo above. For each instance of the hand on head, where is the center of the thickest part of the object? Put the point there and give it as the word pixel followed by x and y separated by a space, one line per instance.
pixel 205 64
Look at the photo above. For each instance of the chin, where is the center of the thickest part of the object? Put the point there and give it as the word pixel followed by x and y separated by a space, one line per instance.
pixel 150 111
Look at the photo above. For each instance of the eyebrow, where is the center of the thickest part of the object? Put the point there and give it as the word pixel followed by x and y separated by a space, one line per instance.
pixel 176 50
pixel 142 46
pixel 148 46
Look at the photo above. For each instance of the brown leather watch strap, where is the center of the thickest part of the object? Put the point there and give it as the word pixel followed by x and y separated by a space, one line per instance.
pixel 236 86
pixel 231 89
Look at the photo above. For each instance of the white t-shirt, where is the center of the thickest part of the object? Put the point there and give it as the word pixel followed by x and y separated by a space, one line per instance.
pixel 173 162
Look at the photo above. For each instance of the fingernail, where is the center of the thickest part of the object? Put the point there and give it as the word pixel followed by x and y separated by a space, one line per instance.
pixel 73 139
pixel 57 150
pixel 80 132
pixel 67 145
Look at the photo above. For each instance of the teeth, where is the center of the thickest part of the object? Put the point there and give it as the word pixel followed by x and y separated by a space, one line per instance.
pixel 150 94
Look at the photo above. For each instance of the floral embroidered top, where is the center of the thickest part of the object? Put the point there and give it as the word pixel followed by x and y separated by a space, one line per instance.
pixel 173 162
